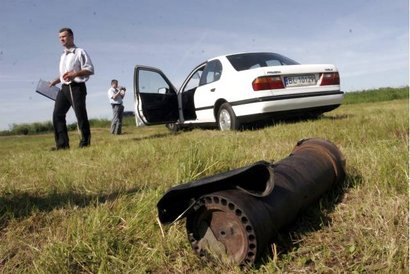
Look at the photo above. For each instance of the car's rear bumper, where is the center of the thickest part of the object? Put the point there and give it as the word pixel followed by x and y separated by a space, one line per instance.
pixel 288 102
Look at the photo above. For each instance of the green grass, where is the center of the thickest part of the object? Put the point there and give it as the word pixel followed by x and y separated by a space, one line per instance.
pixel 364 96
pixel 93 210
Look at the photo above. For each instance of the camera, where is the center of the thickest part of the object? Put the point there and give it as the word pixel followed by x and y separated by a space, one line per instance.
pixel 122 90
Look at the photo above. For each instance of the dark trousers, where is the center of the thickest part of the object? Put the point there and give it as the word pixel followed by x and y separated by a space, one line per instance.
pixel 62 104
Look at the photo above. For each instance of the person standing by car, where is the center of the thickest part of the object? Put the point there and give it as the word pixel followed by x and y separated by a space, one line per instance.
pixel 75 69
pixel 116 94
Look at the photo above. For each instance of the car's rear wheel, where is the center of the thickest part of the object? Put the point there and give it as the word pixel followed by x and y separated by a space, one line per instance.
pixel 226 118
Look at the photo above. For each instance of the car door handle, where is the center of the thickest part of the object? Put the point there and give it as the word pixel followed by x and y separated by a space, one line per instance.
pixel 212 89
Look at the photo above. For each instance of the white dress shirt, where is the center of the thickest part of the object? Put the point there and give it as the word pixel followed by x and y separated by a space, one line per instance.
pixel 111 92
pixel 75 59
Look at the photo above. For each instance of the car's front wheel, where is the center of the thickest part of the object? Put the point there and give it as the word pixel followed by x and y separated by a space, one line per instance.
pixel 173 127
pixel 226 118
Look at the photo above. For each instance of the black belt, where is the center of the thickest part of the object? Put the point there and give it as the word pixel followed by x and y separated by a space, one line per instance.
pixel 73 84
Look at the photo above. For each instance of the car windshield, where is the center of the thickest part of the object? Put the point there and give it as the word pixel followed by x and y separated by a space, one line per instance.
pixel 256 60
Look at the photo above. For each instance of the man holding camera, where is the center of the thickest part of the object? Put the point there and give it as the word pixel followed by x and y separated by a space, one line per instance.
pixel 116 94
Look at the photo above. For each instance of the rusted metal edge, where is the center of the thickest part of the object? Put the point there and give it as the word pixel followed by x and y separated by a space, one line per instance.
pixel 255 180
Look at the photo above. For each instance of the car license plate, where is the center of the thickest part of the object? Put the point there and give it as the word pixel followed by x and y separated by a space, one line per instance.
pixel 301 80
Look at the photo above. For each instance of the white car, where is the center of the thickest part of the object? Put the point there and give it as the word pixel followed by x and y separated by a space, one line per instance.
pixel 231 90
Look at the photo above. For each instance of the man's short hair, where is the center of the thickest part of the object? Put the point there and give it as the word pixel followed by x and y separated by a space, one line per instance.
pixel 114 81
pixel 68 30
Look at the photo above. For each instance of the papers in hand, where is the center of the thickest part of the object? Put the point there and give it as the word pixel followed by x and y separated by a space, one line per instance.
pixel 44 89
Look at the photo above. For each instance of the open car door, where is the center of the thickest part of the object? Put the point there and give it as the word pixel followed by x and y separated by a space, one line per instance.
pixel 156 98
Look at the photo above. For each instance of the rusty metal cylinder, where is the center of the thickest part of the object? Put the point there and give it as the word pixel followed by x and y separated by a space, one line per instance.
pixel 236 224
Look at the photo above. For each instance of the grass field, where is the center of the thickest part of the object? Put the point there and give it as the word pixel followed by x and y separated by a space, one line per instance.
pixel 93 210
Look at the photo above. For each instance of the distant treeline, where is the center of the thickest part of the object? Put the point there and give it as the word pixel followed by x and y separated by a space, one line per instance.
pixel 47 127
pixel 376 95
pixel 356 97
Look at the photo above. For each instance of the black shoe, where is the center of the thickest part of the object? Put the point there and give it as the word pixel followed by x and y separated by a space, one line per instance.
pixel 85 142
pixel 83 145
pixel 58 148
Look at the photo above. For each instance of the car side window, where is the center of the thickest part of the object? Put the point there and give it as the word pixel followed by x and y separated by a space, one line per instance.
pixel 152 82
pixel 212 72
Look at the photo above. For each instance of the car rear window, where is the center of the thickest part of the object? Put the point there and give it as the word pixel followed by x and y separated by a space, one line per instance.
pixel 246 61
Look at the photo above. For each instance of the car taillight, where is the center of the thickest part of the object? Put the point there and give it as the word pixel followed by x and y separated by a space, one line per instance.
pixel 267 82
pixel 330 79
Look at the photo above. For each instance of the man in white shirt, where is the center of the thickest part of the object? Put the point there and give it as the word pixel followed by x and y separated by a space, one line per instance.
pixel 116 94
pixel 75 69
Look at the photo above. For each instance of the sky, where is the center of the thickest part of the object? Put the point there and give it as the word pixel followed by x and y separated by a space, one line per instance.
pixel 368 41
